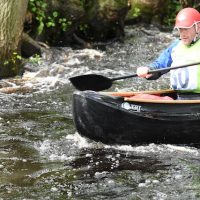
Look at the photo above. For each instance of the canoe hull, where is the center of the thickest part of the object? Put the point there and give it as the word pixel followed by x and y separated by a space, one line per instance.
pixel 112 120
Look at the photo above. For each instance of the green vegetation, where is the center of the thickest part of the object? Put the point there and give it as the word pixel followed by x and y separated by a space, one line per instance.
pixel 36 59
pixel 39 10
pixel 172 11
pixel 13 59
pixel 143 11
pixel 16 58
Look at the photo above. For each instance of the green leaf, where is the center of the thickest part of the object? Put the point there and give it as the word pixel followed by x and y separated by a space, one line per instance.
pixel 55 14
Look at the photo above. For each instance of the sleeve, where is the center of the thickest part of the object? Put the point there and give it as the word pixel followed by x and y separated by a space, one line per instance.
pixel 163 61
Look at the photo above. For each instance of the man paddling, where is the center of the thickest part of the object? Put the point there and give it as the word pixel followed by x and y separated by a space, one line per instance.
pixel 182 51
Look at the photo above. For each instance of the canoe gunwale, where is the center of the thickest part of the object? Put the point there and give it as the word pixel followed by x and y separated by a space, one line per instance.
pixel 164 101
pixel 127 95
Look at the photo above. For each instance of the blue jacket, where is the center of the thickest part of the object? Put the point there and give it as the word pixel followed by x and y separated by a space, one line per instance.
pixel 163 61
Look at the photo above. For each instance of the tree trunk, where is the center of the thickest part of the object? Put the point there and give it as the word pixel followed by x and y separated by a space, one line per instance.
pixel 12 15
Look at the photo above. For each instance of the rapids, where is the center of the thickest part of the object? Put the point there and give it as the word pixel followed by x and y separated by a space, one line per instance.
pixel 43 157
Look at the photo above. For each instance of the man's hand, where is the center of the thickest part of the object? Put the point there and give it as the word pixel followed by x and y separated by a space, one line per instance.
pixel 143 72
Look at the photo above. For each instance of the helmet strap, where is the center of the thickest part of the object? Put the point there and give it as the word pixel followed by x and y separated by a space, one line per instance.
pixel 197 33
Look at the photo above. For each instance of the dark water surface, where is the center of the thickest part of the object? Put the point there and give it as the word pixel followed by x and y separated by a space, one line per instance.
pixel 43 157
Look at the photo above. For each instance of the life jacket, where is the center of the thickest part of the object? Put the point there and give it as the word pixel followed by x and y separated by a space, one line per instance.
pixel 188 78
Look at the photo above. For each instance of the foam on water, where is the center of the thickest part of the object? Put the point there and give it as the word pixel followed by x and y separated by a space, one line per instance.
pixel 56 160
pixel 78 140
pixel 155 148
pixel 49 76
pixel 51 151
pixel 83 142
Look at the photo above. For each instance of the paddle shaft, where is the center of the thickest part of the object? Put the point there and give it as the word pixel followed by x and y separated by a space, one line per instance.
pixel 98 82
pixel 155 71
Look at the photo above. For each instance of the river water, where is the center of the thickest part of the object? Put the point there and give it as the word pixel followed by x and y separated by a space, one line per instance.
pixel 43 157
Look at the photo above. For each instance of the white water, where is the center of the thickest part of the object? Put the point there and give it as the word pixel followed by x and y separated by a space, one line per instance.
pixel 43 157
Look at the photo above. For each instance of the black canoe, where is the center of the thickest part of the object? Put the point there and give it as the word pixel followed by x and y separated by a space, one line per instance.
pixel 114 118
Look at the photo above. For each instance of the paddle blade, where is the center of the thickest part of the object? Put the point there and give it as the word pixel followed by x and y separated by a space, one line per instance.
pixel 91 82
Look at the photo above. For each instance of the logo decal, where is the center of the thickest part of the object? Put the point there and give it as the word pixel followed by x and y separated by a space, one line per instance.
pixel 128 106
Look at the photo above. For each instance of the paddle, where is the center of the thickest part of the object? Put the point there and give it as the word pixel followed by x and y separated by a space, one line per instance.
pixel 97 82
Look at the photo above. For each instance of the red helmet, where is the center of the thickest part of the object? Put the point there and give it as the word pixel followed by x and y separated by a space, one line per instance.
pixel 187 17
